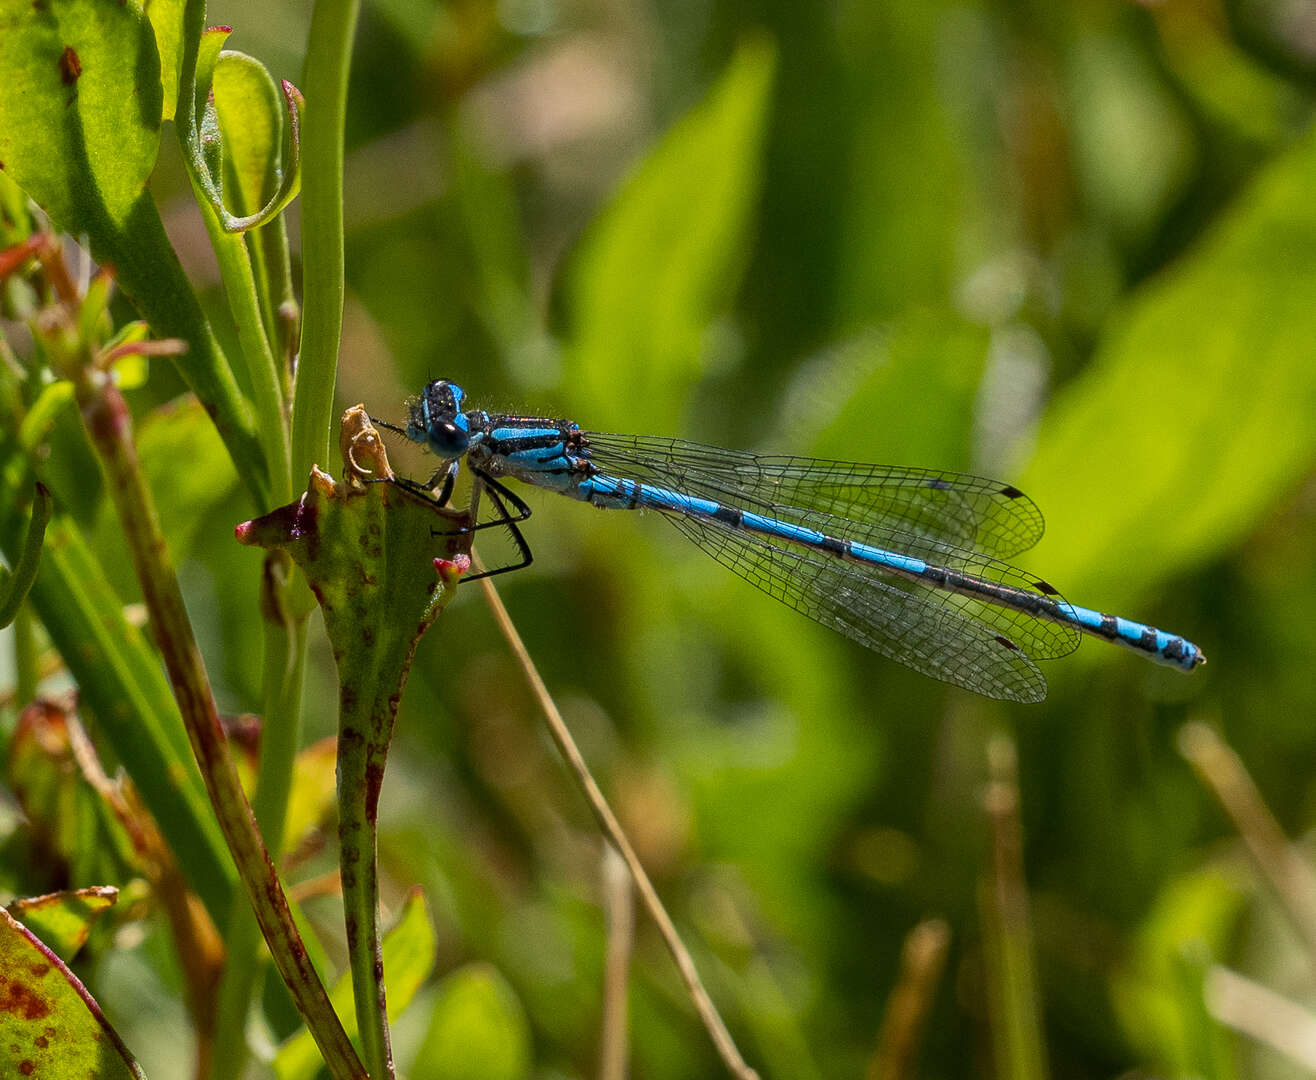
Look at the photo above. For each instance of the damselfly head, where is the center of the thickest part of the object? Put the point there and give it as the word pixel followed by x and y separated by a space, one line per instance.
pixel 437 420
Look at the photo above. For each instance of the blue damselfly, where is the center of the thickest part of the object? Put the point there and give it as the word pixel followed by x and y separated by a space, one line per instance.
pixel 907 561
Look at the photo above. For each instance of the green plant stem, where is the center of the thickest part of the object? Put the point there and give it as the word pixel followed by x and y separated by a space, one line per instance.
pixel 26 677
pixel 106 417
pixel 328 60
pixel 270 260
pixel 365 724
pixel 258 355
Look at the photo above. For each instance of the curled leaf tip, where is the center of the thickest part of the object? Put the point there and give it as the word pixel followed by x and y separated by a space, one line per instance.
pixel 364 456
pixel 294 96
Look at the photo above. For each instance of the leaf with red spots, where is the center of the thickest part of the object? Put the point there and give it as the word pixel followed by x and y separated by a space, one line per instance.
pixel 50 1026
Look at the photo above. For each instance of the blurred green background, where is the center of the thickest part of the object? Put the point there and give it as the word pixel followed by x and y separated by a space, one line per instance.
pixel 1072 246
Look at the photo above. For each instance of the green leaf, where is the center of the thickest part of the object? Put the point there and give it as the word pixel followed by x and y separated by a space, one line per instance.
pixel 249 113
pixel 64 919
pixel 80 116
pixel 663 261
pixel 198 128
pixel 409 951
pixel 236 116
pixel 53 399
pixel 368 551
pixel 478 1030
pixel 1138 476
pixel 49 1025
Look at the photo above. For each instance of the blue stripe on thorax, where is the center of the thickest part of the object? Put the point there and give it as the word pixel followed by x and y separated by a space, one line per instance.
pixel 513 435
pixel 528 449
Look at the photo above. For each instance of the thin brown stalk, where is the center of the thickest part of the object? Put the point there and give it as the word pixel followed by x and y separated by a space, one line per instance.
pixel 611 827
pixel 921 962
pixel 619 907
pixel 1279 862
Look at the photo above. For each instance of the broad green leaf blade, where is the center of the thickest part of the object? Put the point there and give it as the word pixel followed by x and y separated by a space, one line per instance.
pixel 663 261
pixel 49 1025
pixel 1137 475
pixel 409 952
pixel 478 1030
pixel 80 114
pixel 64 919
